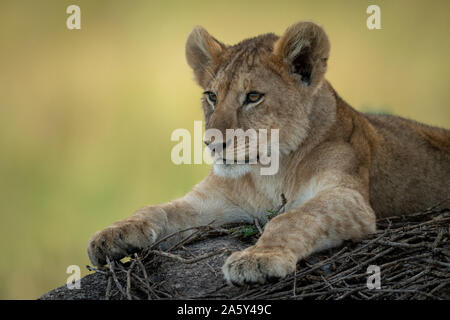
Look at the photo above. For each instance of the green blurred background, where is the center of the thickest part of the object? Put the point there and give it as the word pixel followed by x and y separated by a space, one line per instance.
pixel 86 115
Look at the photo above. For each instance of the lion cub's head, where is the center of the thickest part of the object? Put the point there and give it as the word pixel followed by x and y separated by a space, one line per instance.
pixel 266 82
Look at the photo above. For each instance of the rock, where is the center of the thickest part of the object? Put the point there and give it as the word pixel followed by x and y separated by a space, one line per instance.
pixel 180 279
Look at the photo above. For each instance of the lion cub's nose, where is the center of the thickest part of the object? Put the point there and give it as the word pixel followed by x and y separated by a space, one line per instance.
pixel 218 146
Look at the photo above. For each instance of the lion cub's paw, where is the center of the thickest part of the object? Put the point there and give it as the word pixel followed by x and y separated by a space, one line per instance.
pixel 117 241
pixel 257 266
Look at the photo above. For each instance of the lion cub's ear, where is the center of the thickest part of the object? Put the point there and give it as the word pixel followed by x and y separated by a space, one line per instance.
pixel 202 51
pixel 304 49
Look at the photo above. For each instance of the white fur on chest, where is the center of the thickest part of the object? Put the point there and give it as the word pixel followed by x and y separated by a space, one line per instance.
pixel 306 192
pixel 272 192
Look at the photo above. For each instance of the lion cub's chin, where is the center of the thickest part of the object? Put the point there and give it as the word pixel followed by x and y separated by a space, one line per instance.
pixel 231 170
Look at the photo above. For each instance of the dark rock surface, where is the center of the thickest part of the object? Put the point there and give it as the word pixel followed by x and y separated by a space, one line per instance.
pixel 185 280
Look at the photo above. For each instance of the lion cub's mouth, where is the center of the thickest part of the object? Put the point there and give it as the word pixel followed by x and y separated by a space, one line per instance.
pixel 235 161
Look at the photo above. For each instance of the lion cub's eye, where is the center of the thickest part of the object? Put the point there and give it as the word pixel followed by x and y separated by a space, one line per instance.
pixel 253 97
pixel 211 96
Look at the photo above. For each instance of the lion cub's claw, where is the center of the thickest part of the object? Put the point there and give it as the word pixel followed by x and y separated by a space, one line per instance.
pixel 116 242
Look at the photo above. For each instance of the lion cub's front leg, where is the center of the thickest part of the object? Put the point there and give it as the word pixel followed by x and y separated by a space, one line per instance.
pixel 324 221
pixel 152 223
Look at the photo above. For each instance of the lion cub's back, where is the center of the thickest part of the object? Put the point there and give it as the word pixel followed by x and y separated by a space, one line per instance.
pixel 411 165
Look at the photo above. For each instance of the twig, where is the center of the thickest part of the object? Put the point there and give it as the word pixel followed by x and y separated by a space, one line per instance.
pixel 111 268
pixel 128 290
pixel 258 226
pixel 188 261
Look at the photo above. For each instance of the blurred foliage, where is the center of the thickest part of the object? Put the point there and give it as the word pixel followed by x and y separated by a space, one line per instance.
pixel 86 115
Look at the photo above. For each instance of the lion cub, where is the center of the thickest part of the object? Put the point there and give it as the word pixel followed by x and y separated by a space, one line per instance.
pixel 339 169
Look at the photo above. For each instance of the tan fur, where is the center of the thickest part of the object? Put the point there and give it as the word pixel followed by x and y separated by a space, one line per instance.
pixel 339 168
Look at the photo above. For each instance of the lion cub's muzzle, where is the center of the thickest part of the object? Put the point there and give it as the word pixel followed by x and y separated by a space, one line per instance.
pixel 235 154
